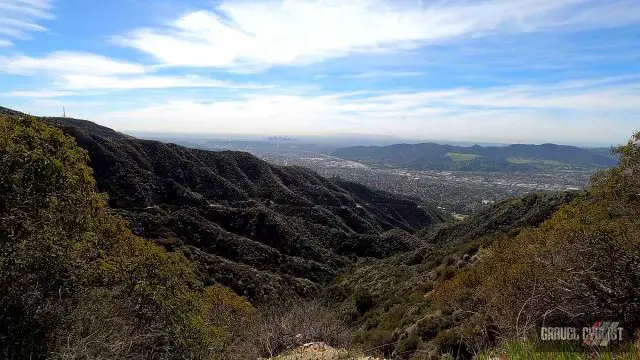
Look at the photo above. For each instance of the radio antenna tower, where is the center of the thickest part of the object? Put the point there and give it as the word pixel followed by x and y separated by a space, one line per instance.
pixel 64 112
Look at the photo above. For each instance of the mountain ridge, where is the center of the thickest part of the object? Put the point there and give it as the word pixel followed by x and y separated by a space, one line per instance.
pixel 514 157
pixel 260 229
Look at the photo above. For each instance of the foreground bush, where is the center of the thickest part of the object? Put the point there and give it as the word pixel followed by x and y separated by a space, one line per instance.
pixel 287 326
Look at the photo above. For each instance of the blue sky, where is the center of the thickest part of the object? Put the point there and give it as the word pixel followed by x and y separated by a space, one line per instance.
pixel 532 71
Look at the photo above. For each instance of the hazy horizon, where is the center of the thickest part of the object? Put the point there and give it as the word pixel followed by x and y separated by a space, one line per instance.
pixel 355 138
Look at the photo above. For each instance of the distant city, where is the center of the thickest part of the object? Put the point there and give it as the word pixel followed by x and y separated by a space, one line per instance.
pixel 459 193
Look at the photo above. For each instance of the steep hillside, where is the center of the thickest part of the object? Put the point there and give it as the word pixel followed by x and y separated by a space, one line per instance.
pixel 387 300
pixel 504 217
pixel 260 229
pixel 430 156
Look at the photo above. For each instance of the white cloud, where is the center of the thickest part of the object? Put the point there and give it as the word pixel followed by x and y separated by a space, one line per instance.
pixel 560 112
pixel 39 93
pixel 559 97
pixel 266 114
pixel 19 18
pixel 256 34
pixel 73 73
pixel 51 107
pixel 91 82
pixel 63 62
pixel 385 74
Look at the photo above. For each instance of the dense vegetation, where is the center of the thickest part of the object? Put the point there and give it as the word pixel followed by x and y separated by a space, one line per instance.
pixel 430 156
pixel 262 230
pixel 558 259
pixel 75 283
pixel 79 279
pixel 386 300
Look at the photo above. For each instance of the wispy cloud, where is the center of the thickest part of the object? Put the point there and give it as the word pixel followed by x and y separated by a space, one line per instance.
pixel 63 62
pixel 577 96
pixel 384 74
pixel 19 18
pixel 259 34
pixel 74 73
pixel 90 82
pixel 509 114
pixel 39 93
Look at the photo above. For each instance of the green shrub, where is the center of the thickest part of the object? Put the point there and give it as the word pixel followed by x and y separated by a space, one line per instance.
pixel 363 301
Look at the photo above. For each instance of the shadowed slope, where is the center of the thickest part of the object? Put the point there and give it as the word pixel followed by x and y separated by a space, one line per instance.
pixel 260 229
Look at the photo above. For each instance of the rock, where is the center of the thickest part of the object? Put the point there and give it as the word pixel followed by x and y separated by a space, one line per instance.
pixel 321 351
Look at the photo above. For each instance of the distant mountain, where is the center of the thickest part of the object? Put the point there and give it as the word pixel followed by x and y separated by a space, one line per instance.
pixel 604 151
pixel 431 156
pixel 262 230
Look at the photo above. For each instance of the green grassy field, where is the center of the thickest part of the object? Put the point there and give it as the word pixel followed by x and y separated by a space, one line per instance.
pixel 461 157
pixel 535 161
